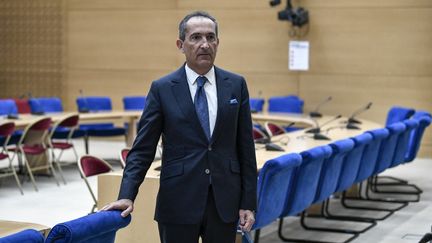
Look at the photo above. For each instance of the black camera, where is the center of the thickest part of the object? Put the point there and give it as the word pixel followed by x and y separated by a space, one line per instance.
pixel 297 16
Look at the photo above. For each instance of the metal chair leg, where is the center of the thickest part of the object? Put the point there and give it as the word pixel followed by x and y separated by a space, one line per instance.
pixel 257 235
pixel 286 239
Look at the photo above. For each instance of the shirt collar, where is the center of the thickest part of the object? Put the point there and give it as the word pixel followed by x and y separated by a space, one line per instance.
pixel 192 75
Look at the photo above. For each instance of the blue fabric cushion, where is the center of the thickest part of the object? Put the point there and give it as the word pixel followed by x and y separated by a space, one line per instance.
pixel 371 153
pixel 291 104
pixel 398 114
pixel 274 179
pixel 388 146
pixel 94 103
pixel 402 145
pixel 363 148
pixel 63 132
pixel 48 104
pixel 25 236
pixel 351 165
pixel 99 227
pixel 302 193
pixel 331 169
pixel 256 104
pixel 416 137
pixel 14 138
pixel 134 102
pixel 8 107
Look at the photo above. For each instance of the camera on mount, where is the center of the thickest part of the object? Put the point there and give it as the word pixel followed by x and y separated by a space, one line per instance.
pixel 297 16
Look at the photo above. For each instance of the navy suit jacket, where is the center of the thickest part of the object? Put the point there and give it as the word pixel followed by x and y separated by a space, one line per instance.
pixel 187 153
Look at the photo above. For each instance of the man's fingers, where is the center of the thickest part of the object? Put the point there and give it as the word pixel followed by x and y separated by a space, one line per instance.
pixel 127 211
pixel 242 218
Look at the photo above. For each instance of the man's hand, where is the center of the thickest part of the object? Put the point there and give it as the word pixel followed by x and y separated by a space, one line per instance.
pixel 247 219
pixel 126 205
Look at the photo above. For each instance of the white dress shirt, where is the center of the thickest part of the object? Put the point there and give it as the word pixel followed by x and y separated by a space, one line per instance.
pixel 210 90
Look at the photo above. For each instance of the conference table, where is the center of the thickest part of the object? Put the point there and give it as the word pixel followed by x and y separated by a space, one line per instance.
pixel 130 117
pixel 144 229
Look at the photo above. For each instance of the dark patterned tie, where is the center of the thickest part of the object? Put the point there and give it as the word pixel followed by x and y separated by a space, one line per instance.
pixel 201 105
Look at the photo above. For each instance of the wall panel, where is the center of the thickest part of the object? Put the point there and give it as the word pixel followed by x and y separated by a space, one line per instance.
pixel 122 40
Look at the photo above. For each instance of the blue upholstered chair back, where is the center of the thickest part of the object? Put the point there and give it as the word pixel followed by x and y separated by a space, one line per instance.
pixel 274 180
pixel 8 107
pixel 25 236
pixel 256 104
pixel 365 151
pixel 331 169
pixel 47 104
pixel 292 104
pixel 398 114
pixel 99 227
pixel 388 146
pixel 402 145
pixel 305 180
pixel 353 159
pixel 134 103
pixel 94 103
pixel 424 120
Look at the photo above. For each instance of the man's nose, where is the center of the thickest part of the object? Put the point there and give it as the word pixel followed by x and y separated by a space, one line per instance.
pixel 205 43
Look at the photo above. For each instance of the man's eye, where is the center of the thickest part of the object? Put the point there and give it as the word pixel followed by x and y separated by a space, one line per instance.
pixel 195 37
pixel 211 38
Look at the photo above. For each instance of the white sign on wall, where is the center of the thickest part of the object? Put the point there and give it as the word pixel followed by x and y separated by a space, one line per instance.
pixel 298 55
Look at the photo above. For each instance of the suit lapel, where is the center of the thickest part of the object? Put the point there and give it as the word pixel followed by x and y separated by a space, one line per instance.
pixel 181 92
pixel 223 86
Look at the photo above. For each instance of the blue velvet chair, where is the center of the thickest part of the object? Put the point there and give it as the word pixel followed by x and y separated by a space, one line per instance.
pixel 25 236
pixel 301 195
pixel 274 180
pixel 388 147
pixel 8 107
pixel 45 105
pixel 424 120
pixel 290 104
pixel 99 227
pixel 402 146
pixel 134 103
pixel 286 104
pixel 256 104
pixel 98 104
pixel 398 114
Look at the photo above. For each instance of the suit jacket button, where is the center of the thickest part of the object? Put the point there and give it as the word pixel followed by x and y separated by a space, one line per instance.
pixel 209 148
pixel 207 171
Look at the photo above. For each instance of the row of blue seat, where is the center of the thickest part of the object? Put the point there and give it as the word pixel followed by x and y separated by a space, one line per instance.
pixel 290 184
pixel 99 227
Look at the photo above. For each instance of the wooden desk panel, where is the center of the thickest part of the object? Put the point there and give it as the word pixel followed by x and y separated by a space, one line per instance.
pixel 12 227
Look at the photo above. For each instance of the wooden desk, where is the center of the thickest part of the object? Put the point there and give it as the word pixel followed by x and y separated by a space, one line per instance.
pixel 144 229
pixel 127 116
pixel 300 120
pixel 11 227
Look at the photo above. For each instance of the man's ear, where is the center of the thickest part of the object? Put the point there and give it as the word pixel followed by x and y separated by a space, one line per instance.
pixel 179 44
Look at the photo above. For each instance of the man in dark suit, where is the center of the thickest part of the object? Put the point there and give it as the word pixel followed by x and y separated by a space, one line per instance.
pixel 209 174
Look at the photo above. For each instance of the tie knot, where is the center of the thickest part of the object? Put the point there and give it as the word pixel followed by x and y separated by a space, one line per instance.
pixel 201 80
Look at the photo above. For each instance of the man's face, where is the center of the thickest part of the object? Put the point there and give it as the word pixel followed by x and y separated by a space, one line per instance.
pixel 200 44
